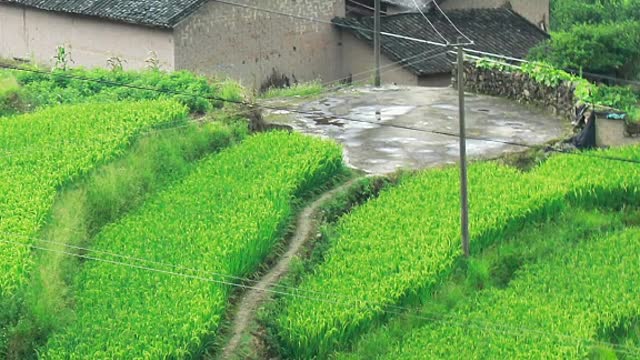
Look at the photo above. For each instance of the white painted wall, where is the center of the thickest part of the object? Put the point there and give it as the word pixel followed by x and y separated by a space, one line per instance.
pixel 34 35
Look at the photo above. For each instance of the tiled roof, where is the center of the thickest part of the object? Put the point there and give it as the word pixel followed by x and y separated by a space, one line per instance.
pixel 159 13
pixel 498 31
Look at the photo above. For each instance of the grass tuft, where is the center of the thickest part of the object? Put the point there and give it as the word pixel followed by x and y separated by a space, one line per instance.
pixel 298 90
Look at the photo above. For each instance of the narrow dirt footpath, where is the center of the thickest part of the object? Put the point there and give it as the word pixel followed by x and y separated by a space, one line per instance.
pixel 306 225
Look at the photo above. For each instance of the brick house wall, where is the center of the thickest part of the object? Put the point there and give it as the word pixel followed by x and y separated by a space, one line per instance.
pixel 33 34
pixel 250 45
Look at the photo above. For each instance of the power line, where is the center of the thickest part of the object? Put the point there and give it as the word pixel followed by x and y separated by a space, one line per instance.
pixel 318 20
pixel 167 126
pixel 254 105
pixel 435 2
pixel 389 67
pixel 161 264
pixel 572 71
pixel 429 21
pixel 447 319
pixel 366 6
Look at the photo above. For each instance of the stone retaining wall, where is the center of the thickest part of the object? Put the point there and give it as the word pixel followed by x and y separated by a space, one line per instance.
pixel 559 100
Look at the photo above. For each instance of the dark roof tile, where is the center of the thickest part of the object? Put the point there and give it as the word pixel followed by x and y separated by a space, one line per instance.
pixel 159 13
pixel 498 31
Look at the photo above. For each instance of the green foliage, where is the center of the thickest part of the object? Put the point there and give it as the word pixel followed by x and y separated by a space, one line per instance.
pixel 553 309
pixel 224 218
pixel 68 87
pixel 567 13
pixel 41 151
pixel 11 98
pixel 634 114
pixel 612 48
pixel 62 57
pixel 415 238
pixel 489 64
pixel 548 75
pixel 616 97
pixel 298 90
pixel 80 212
pixel 598 36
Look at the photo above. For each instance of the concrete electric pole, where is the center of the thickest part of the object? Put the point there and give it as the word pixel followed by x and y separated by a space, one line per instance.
pixel 376 41
pixel 464 197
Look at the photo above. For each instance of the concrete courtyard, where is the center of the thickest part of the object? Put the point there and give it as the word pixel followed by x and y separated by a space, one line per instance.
pixel 359 119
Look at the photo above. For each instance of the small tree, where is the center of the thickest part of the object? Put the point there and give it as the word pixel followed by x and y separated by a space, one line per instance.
pixel 152 61
pixel 62 58
pixel 116 63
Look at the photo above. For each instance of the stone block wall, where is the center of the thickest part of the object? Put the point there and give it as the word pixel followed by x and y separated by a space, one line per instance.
pixel 559 100
pixel 250 45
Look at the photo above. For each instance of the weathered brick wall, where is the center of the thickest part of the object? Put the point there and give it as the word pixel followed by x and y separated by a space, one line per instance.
pixel 536 11
pixel 250 45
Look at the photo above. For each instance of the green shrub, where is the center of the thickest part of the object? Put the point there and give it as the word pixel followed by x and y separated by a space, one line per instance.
pixel 78 85
pixel 634 114
pixel 611 48
pixel 567 13
pixel 11 98
pixel 617 97
pixel 297 90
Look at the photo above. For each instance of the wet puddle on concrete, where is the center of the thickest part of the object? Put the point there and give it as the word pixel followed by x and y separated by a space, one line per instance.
pixel 372 126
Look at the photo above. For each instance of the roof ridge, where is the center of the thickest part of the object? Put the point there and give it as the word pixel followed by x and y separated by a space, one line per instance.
pixel 166 14
pixel 527 21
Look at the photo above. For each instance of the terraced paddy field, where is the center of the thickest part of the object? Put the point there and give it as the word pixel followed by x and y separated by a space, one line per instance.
pixel 131 222
pixel 394 251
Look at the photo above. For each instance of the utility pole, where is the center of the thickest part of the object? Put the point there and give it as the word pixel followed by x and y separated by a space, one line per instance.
pixel 376 41
pixel 464 196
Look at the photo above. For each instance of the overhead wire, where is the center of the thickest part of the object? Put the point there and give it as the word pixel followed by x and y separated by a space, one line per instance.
pixel 312 113
pixel 318 20
pixel 161 127
pixel 429 21
pixel 159 263
pixel 408 61
pixel 409 128
pixel 451 318
pixel 435 2
pixel 294 111
pixel 573 71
